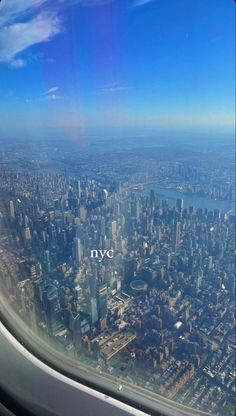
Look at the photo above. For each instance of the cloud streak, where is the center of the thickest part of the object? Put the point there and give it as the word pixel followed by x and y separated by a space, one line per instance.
pixel 111 88
pixel 139 3
pixel 51 90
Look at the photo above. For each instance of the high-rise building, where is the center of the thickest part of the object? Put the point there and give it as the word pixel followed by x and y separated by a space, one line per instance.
pixel 152 196
pixel 12 210
pixel 77 251
pixel 135 209
pixel 94 310
pixel 79 189
pixel 47 261
pixel 52 308
pixel 129 269
pixel 27 234
pixel 113 229
pixel 176 233
pixel 101 293
pixel 103 227
pixel 82 213
pixel 168 260
pixel 92 281
pixel 180 204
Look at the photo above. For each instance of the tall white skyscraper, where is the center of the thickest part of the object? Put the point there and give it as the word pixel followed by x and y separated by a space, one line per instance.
pixel 79 189
pixel 77 251
pixel 113 229
pixel 12 209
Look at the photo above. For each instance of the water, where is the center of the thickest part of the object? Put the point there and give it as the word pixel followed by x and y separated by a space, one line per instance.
pixel 192 200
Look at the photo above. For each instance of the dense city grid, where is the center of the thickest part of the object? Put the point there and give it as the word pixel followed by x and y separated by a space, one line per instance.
pixel 124 281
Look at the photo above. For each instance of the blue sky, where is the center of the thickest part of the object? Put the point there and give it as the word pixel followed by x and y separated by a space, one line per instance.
pixel 76 67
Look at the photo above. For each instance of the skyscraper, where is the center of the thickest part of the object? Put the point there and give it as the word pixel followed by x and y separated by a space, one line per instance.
pixel 12 210
pixel 93 310
pixel 113 229
pixel 77 251
pixel 101 293
pixel 47 260
pixel 180 204
pixel 176 233
pixel 79 189
pixel 152 196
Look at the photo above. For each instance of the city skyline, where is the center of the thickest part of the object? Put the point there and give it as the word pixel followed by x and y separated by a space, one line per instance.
pixel 158 314
pixel 117 195
pixel 110 67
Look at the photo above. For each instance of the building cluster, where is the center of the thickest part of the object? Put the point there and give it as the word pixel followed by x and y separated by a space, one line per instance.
pixel 164 301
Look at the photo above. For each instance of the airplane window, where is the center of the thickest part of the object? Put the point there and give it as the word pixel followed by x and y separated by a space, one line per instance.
pixel 117 190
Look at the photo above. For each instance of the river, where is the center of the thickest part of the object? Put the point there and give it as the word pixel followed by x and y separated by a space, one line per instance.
pixel 195 201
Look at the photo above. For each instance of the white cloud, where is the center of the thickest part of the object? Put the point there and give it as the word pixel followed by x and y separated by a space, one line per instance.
pixel 12 10
pixel 51 90
pixel 19 36
pixel 24 23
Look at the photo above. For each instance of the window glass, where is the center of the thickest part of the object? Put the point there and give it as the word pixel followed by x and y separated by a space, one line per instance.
pixel 117 216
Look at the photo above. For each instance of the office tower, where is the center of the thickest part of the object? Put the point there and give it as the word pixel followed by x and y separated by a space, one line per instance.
pixel 93 310
pixel 117 210
pixel 26 300
pixel 75 327
pixel 231 285
pixel 52 233
pixel 103 227
pixel 168 260
pixel 210 262
pixel 39 269
pixel 152 196
pixel 101 293
pixel 176 233
pixel 33 272
pixel 129 269
pixel 118 284
pixel 52 308
pixel 79 189
pixel 92 282
pixel 27 234
pixel 82 213
pixel 113 229
pixel 77 251
pixel 199 279
pixel 158 233
pixel 12 210
pixel 47 261
pixel 56 203
pixel 26 220
pixel 135 209
pixel 180 204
